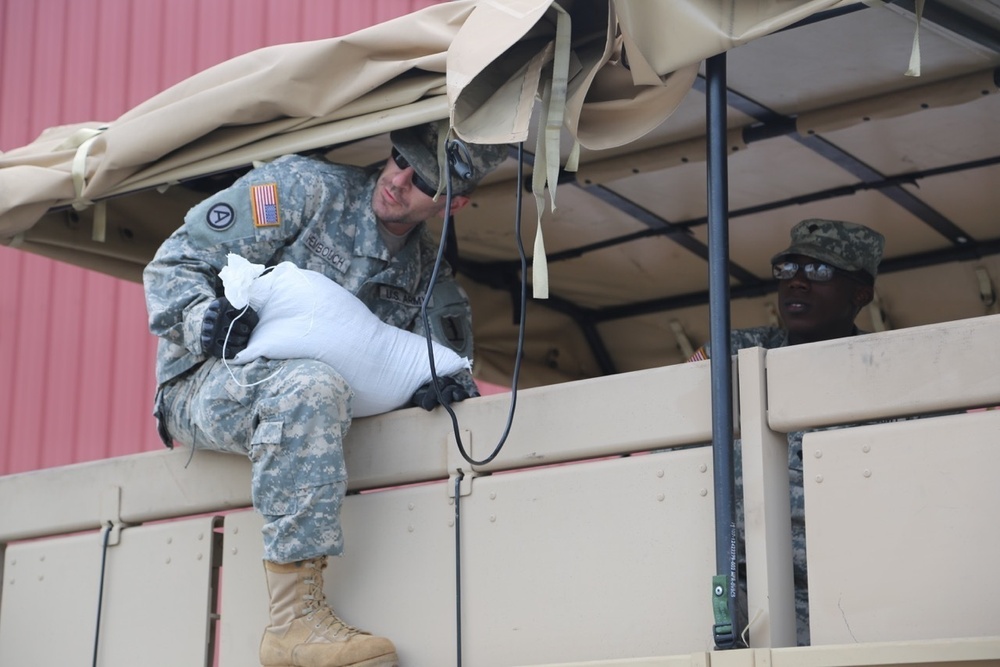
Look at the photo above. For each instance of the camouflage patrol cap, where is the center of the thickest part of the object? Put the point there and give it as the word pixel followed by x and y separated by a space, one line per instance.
pixel 845 245
pixel 419 145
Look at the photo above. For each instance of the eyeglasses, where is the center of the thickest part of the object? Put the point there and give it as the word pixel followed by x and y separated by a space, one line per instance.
pixel 418 182
pixel 815 271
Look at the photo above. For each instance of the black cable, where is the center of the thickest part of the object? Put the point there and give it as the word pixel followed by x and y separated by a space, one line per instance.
pixel 100 591
pixel 520 332
pixel 458 567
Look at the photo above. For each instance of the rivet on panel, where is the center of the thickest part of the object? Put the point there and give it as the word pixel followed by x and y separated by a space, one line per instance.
pixel 236 529
pixel 867 473
pixel 170 540
pixel 168 560
pixel 819 479
pixel 818 454
pixel 659 473
pixel 660 497
pixel 41 558
pixel 410 507
pixel 409 529
pixel 704 492
pixel 493 495
pixel 866 448
pixel 41 577
pixel 703 468
pixel 235 551
pixel 451 523
pixel 201 536
pixel 493 518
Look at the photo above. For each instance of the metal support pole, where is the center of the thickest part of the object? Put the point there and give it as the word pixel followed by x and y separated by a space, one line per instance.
pixel 725 585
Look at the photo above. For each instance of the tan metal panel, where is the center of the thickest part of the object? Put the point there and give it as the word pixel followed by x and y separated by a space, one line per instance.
pixel 890 374
pixel 617 414
pixel 941 653
pixel 156 606
pixel 598 560
pixel 552 566
pixel 243 600
pixel 767 515
pixel 133 489
pixel 654 408
pixel 973 652
pixel 397 575
pixel 901 532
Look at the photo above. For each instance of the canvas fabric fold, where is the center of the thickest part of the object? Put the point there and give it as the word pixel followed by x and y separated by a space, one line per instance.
pixel 481 64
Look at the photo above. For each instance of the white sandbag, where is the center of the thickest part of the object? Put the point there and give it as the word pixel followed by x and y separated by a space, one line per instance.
pixel 305 315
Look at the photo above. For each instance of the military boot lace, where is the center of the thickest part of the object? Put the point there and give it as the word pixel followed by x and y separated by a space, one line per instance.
pixel 318 613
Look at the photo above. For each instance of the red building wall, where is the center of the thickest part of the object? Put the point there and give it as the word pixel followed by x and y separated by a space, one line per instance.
pixel 76 359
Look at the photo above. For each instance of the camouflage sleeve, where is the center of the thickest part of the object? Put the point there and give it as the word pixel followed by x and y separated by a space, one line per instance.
pixel 182 279
pixel 768 337
pixel 448 312
pixel 450 319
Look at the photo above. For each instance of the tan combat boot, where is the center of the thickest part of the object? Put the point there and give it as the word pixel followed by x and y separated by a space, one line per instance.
pixel 304 631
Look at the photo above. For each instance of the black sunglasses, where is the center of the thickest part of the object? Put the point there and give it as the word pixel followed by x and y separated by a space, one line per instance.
pixel 418 183
pixel 816 272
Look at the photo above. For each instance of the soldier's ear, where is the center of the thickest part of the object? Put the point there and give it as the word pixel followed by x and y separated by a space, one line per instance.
pixel 863 295
pixel 458 202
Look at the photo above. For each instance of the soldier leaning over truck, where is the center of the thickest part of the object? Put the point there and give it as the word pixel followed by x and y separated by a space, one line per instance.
pixel 364 229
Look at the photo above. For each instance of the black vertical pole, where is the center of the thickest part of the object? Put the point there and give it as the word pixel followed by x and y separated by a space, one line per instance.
pixel 725 586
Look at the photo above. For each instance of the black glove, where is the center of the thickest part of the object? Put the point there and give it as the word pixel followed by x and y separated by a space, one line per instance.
pixel 216 327
pixel 451 392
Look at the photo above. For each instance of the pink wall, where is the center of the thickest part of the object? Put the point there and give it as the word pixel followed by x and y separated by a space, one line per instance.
pixel 76 359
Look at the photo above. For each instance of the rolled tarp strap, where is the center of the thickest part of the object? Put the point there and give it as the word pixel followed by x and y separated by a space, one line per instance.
pixel 547 149
pixel 539 262
pixel 914 68
pixel 81 140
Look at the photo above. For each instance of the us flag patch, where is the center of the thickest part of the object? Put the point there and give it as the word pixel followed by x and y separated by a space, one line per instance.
pixel 699 355
pixel 264 204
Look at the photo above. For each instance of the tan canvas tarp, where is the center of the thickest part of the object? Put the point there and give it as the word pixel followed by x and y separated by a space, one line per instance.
pixel 823 122
pixel 480 63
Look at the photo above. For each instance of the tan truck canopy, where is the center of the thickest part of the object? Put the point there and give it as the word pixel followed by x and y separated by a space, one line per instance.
pixel 885 115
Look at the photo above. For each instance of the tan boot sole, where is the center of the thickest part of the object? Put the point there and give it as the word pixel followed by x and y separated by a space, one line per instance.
pixel 390 660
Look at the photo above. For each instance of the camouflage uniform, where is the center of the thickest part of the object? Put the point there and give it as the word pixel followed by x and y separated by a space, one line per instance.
pixel 847 246
pixel 317 215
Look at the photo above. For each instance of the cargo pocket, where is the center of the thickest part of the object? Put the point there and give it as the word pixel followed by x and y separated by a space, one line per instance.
pixel 274 483
pixel 161 419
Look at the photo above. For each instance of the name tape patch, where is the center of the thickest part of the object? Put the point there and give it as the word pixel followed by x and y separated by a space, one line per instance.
pixel 396 295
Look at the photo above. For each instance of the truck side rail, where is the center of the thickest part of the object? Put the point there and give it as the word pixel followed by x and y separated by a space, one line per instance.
pixel 589 540
pixel 898 492
pixel 554 536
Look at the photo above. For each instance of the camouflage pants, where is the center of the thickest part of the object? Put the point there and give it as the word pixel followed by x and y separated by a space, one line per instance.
pixel 290 418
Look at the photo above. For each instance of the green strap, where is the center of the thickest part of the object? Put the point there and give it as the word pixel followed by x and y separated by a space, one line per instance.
pixel 720 606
